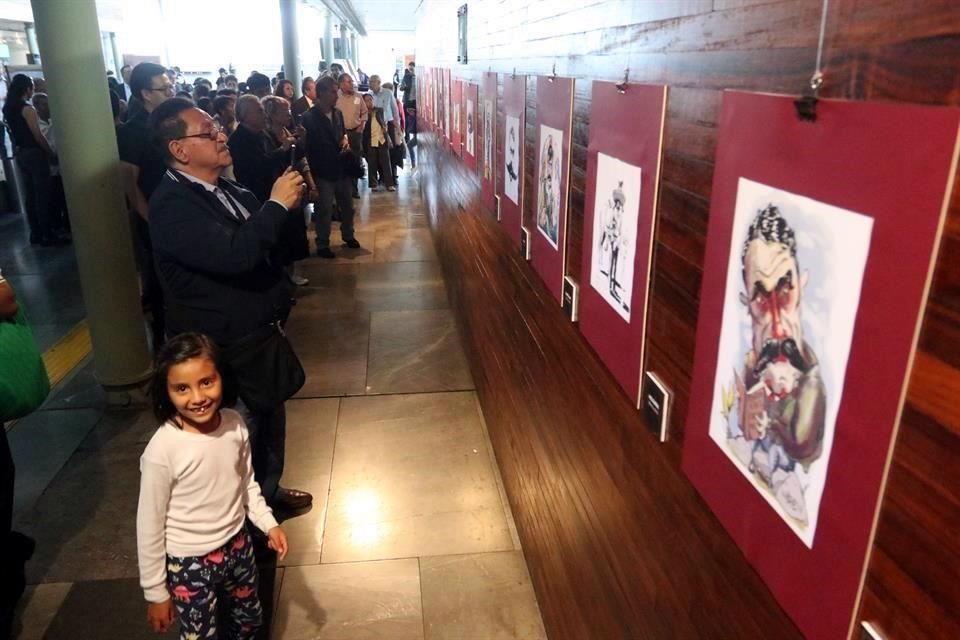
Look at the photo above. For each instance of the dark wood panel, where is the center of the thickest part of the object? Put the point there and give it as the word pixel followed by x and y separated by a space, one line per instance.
pixel 618 543
pixel 886 50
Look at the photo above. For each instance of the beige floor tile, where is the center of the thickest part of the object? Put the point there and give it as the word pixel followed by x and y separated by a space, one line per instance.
pixel 416 351
pixel 412 477
pixel 311 430
pixel 484 596
pixel 361 601
pixel 37 608
pixel 404 245
pixel 332 349
pixel 393 286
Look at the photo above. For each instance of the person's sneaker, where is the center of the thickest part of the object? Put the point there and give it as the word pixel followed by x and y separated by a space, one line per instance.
pixel 300 281
pixel 326 253
pixel 351 243
pixel 391 188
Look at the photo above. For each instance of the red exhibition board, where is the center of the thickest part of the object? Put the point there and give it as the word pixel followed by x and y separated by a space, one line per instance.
pixel 548 224
pixel 456 90
pixel 487 141
pixel 448 106
pixel 827 232
pixel 618 230
pixel 514 137
pixel 470 126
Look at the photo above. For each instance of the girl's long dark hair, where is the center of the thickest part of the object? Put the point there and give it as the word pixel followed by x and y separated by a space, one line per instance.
pixel 178 350
pixel 19 85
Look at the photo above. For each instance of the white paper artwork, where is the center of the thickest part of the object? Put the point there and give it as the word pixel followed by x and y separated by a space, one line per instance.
pixel 548 191
pixel 470 120
pixel 512 148
pixel 616 210
pixel 793 288
pixel 487 138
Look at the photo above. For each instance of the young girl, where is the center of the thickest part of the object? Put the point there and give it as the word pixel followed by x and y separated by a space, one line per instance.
pixel 196 488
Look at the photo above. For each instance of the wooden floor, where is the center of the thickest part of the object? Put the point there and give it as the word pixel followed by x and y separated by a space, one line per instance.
pixel 618 543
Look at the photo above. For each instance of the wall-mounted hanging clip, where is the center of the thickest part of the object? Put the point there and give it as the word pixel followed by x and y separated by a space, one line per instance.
pixel 553 74
pixel 807 105
pixel 622 87
pixel 514 74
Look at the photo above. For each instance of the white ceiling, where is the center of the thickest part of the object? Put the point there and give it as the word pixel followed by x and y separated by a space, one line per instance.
pixel 387 15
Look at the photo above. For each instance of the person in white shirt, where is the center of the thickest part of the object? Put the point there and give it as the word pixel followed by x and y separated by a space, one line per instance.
pixel 196 489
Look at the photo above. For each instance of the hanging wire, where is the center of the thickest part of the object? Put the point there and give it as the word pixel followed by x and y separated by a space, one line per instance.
pixel 816 81
pixel 807 104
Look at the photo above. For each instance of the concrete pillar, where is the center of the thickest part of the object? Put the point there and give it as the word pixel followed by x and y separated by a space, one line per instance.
pixel 291 42
pixel 353 49
pixel 343 41
pixel 328 39
pixel 69 38
pixel 117 58
pixel 31 32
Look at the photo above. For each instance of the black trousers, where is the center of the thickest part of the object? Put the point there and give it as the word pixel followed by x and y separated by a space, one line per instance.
pixel 378 165
pixel 356 146
pixel 35 168
pixel 150 281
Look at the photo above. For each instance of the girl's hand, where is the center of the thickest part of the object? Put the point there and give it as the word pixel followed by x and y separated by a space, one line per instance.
pixel 277 540
pixel 160 615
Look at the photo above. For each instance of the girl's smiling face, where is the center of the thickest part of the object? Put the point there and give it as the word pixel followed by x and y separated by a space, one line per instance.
pixel 196 391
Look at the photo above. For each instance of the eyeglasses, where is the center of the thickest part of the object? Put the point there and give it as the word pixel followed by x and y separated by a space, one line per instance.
pixel 213 134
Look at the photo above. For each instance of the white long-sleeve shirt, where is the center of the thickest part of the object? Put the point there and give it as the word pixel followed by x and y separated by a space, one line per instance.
pixel 195 490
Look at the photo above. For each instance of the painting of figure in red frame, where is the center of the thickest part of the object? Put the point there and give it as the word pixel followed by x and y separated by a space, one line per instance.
pixel 820 251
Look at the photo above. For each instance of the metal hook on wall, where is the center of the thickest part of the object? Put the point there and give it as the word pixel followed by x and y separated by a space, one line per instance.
pixel 553 74
pixel 514 74
pixel 622 87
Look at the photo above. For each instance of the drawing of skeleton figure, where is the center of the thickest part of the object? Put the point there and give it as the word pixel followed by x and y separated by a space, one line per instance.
pixel 511 159
pixel 612 240
pixel 470 135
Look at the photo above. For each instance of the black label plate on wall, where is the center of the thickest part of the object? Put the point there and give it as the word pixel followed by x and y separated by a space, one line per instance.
pixel 655 401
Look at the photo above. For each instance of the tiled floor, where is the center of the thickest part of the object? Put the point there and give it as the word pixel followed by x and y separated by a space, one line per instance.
pixel 409 535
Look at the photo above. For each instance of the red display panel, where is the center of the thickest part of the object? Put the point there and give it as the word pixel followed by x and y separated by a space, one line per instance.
pixel 619 218
pixel 826 231
pixel 456 115
pixel 448 106
pixel 514 136
pixel 548 224
pixel 470 126
pixel 487 126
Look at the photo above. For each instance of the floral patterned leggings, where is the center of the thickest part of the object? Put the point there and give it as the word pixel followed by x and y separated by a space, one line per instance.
pixel 195 582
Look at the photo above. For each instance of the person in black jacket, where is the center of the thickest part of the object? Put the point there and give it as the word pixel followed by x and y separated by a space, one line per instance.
pixel 326 139
pixel 216 248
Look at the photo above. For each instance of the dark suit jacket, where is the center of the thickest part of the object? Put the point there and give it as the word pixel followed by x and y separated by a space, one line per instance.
pixel 300 106
pixel 324 137
pixel 256 168
pixel 220 276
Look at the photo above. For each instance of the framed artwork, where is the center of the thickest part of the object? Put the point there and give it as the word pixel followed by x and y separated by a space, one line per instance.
pixel 447 107
pixel 488 131
pixel 514 109
pixel 814 283
pixel 551 175
pixel 472 126
pixel 619 223
pixel 456 135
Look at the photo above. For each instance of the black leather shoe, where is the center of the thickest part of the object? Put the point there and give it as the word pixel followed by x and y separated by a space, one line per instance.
pixel 290 499
pixel 326 253
pixel 351 243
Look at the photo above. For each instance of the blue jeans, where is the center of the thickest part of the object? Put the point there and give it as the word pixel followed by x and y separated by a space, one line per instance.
pixel 268 436
pixel 329 191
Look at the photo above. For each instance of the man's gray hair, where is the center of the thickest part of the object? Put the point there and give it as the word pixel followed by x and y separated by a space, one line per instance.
pixel 244 104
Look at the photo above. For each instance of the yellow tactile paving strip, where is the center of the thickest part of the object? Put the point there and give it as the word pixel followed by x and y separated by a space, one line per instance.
pixel 67 352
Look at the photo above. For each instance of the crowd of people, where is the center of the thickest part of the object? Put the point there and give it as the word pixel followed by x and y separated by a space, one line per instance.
pixel 220 180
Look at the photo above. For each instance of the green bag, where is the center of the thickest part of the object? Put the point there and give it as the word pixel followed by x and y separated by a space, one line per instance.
pixel 23 378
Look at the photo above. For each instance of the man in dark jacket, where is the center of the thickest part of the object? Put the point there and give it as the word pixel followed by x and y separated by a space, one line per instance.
pixel 216 249
pixel 326 139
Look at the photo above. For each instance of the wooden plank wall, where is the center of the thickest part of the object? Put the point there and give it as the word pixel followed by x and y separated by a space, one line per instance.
pixel 887 50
